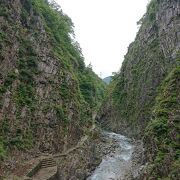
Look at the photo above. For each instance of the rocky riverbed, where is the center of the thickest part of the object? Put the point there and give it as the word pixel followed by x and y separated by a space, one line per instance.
pixel 106 155
pixel 100 155
pixel 123 160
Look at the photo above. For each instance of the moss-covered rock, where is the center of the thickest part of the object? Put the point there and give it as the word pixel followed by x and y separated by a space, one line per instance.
pixel 143 98
pixel 148 61
pixel 162 133
pixel 43 78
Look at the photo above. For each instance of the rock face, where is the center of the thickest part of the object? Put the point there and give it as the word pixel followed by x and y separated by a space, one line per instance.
pixel 143 99
pixel 161 136
pixel 148 61
pixel 45 88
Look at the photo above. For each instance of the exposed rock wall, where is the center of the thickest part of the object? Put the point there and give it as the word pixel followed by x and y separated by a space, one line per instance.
pixel 149 59
pixel 42 70
pixel 143 99
pixel 162 133
pixel 34 62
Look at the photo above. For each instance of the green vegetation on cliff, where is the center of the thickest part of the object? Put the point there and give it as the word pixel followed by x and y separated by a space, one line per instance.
pixel 44 83
pixel 148 61
pixel 143 98
pixel 162 132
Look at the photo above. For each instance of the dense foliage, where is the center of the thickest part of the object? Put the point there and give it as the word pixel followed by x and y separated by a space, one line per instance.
pixel 143 99
pixel 60 28
pixel 134 88
pixel 76 89
pixel 162 132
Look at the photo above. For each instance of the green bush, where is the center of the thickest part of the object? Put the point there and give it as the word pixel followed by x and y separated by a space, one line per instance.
pixel 62 114
pixel 152 9
pixel 10 79
pixel 2 151
pixel 159 126
pixel 4 11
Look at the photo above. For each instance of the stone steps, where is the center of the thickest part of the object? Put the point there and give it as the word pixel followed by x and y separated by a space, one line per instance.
pixel 46 173
pixel 48 162
pixel 45 169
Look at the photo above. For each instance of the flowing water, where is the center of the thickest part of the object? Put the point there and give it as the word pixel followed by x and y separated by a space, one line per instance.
pixel 117 164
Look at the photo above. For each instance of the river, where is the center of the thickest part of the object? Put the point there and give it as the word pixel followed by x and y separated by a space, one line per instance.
pixel 118 164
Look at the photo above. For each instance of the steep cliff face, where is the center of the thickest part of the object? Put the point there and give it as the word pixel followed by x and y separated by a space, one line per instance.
pixel 143 99
pixel 162 133
pixel 149 59
pixel 45 88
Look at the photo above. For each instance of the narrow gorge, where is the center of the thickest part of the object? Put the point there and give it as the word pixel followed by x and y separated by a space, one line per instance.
pixel 60 121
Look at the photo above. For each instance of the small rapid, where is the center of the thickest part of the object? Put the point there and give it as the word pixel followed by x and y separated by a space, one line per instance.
pixel 117 165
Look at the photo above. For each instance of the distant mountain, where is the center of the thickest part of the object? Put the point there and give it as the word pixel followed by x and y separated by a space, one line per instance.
pixel 108 79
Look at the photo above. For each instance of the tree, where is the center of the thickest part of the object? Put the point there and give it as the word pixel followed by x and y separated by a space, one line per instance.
pixel 89 66
pixel 54 5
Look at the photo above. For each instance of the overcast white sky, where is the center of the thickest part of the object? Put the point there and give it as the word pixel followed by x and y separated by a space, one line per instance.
pixel 104 29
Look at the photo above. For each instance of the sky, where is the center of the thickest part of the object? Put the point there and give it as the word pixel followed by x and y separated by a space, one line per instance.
pixel 104 29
